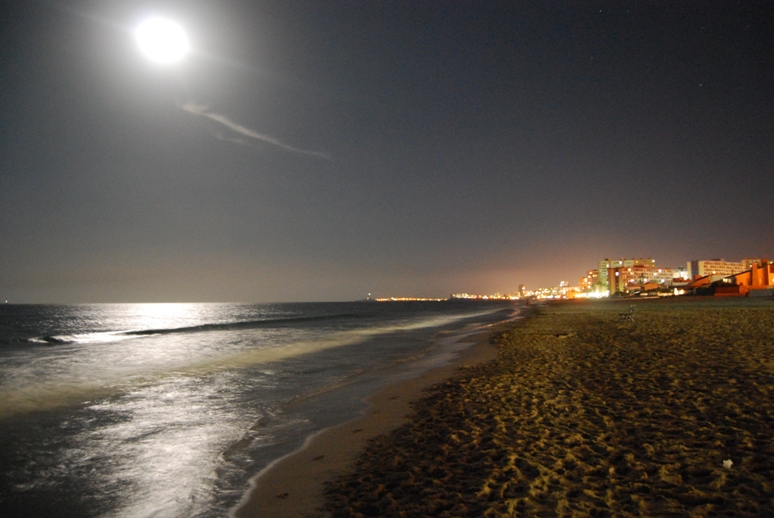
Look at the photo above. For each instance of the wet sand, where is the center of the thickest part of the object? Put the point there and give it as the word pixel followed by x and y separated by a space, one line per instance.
pixel 590 410
pixel 293 486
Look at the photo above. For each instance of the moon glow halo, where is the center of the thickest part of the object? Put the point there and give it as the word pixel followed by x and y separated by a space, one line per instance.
pixel 162 40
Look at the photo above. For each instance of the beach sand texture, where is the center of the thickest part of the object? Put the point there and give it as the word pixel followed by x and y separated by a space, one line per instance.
pixel 589 413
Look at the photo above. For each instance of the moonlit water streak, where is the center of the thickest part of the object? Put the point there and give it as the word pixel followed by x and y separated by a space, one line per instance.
pixel 166 410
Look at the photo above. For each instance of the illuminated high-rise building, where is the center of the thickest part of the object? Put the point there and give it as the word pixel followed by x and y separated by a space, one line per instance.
pixel 605 264
pixel 588 282
pixel 719 267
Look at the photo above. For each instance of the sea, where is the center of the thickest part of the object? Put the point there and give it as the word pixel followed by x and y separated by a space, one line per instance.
pixel 168 410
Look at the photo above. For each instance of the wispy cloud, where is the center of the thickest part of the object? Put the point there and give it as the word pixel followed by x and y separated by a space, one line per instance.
pixel 203 111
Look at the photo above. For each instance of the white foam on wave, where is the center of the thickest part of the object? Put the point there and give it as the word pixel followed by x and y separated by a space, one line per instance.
pixel 87 338
pixel 108 371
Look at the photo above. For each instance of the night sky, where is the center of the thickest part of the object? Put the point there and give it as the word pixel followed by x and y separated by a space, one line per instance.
pixel 323 150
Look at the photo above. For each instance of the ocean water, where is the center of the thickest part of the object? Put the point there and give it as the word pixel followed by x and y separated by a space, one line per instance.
pixel 167 410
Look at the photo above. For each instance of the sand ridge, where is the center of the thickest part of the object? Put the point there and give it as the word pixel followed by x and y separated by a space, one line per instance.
pixel 586 413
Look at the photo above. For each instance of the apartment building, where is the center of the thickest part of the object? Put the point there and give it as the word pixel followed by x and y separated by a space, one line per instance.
pixel 587 283
pixel 718 267
pixel 606 264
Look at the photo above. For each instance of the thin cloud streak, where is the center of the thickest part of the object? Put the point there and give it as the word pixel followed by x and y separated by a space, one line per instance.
pixel 203 111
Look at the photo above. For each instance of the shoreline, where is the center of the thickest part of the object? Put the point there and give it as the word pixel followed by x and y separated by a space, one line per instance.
pixel 293 485
pixel 612 409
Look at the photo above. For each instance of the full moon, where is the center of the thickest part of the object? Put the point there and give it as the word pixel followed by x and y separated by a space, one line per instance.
pixel 163 41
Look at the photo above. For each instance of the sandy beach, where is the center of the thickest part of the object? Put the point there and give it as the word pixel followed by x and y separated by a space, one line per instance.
pixel 647 408
pixel 591 413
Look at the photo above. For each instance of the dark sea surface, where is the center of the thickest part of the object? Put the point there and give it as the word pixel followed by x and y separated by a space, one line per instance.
pixel 167 410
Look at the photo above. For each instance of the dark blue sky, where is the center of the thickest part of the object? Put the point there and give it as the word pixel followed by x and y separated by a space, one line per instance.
pixel 312 150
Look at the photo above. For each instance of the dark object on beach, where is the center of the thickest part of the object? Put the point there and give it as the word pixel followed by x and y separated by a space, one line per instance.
pixel 628 317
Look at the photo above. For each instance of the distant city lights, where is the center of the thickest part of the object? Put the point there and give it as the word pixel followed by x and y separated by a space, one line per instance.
pixel 407 299
pixel 632 278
